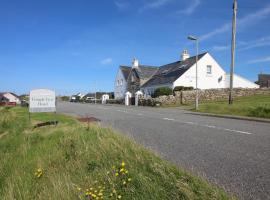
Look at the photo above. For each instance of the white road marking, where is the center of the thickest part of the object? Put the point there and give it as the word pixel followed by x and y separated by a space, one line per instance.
pixel 244 132
pixel 169 119
pixel 123 111
pixel 104 108
pixel 210 126
pixel 190 123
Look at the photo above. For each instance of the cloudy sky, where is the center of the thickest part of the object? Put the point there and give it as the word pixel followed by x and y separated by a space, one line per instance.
pixel 77 45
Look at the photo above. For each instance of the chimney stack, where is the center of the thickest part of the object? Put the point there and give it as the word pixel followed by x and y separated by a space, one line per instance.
pixel 135 63
pixel 185 55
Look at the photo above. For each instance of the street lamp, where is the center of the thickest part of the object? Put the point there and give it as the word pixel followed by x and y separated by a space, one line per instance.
pixel 197 49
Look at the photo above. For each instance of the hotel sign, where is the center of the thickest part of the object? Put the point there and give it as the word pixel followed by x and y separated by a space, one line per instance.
pixel 42 100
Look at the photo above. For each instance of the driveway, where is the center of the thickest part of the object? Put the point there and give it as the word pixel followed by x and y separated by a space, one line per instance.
pixel 234 154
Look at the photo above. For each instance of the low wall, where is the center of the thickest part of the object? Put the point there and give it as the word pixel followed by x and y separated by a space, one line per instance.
pixel 219 94
pixel 183 97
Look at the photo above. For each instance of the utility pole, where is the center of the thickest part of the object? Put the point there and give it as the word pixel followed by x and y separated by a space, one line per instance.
pixel 233 51
pixel 95 92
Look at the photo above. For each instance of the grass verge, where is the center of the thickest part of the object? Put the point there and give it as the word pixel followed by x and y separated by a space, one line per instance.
pixel 69 161
pixel 251 106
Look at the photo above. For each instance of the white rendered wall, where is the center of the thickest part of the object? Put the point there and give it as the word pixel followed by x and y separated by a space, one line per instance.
pixel 121 89
pixel 205 81
pixel 240 82
pixel 12 98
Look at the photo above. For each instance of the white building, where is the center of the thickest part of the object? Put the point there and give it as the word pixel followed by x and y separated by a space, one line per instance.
pixel 120 84
pixel 9 97
pixel 183 73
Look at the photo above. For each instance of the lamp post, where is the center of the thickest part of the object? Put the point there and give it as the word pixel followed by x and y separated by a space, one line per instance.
pixel 233 50
pixel 197 53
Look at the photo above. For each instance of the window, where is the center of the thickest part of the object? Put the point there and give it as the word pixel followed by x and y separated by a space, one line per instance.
pixel 121 83
pixel 209 69
pixel 118 82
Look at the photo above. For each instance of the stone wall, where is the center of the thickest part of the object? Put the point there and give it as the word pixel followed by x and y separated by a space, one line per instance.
pixel 218 94
pixel 183 97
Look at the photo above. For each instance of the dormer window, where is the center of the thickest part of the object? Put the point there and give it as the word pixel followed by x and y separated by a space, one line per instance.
pixel 209 69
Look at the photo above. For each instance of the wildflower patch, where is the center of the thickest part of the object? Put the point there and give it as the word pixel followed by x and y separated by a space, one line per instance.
pixel 115 186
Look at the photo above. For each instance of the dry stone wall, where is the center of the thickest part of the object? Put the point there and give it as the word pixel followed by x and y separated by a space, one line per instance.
pixel 184 97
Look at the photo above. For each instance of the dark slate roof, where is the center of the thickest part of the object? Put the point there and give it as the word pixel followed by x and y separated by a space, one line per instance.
pixel 125 70
pixel 145 72
pixel 264 76
pixel 169 73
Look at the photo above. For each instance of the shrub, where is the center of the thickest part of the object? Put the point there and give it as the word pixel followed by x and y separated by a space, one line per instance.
pixel 182 88
pixel 162 91
pixel 149 102
pixel 115 101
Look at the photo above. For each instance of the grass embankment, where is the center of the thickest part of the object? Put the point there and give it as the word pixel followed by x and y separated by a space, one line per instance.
pixel 69 161
pixel 251 106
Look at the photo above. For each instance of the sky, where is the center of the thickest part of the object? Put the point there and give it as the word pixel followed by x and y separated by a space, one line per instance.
pixel 77 45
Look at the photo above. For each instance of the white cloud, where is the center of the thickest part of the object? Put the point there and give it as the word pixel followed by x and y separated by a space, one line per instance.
pixel 246 45
pixel 260 60
pixel 154 4
pixel 264 41
pixel 121 5
pixel 191 8
pixel 245 21
pixel 106 61
pixel 221 48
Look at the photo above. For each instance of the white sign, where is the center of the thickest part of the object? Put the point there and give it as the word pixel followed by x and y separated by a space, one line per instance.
pixel 42 100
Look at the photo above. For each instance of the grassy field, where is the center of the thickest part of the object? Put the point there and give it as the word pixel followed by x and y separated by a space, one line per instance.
pixel 70 161
pixel 252 106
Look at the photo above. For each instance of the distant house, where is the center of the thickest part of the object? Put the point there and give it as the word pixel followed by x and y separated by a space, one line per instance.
pixel 9 97
pixel 76 97
pixel 182 73
pixel 264 80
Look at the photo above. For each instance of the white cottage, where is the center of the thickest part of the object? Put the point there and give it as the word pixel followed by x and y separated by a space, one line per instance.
pixel 183 73
pixel 120 84
pixel 9 97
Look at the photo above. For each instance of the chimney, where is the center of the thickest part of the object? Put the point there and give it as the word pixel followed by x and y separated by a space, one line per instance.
pixel 184 55
pixel 135 63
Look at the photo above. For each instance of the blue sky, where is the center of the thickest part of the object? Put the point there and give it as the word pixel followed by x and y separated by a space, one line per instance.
pixel 77 45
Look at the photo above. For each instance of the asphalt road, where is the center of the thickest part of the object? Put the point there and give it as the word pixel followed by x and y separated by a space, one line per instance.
pixel 234 154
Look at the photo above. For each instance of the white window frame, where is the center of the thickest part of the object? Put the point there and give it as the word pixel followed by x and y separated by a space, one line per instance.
pixel 209 69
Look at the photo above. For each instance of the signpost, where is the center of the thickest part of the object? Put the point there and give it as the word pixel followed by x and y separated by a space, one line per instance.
pixel 42 100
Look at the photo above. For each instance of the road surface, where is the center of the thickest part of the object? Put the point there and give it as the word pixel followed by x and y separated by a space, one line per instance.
pixel 234 154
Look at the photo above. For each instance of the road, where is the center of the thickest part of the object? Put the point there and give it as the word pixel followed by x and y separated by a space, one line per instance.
pixel 234 154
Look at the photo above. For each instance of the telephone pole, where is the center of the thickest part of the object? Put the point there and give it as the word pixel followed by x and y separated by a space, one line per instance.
pixel 233 50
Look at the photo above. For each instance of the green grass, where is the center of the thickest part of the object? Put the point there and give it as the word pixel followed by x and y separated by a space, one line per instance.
pixel 72 159
pixel 251 106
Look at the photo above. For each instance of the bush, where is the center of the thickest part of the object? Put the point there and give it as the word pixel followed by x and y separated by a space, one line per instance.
pixel 162 91
pixel 182 88
pixel 115 101
pixel 149 102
